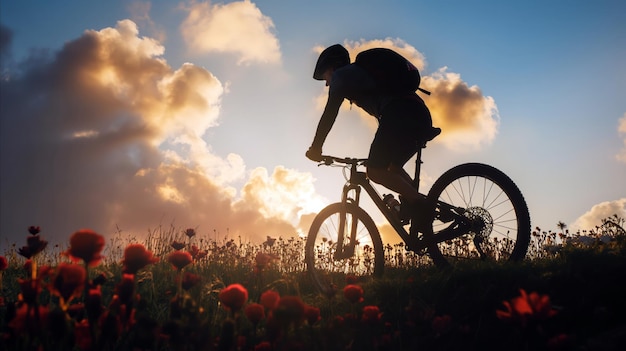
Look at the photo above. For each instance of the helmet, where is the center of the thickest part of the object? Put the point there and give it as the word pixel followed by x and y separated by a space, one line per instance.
pixel 334 56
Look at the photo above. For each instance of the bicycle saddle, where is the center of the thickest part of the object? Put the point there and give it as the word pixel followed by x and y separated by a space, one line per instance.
pixel 428 136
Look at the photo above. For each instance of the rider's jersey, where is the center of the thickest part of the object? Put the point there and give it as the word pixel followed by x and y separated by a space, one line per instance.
pixel 355 84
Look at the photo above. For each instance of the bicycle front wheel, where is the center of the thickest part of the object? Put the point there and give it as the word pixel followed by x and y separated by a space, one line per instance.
pixel 495 207
pixel 361 253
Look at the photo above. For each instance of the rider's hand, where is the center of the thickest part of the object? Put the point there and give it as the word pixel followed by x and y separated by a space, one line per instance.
pixel 314 154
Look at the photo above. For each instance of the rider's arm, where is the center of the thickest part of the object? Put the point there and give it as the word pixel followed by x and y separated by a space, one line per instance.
pixel 328 119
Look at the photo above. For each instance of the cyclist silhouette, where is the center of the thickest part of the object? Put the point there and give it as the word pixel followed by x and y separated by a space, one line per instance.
pixel 404 124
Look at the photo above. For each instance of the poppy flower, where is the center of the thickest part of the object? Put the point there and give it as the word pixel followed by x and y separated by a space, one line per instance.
pixel 525 307
pixel 233 297
pixel 177 245
pixel 68 281
pixel 262 260
pixel 190 280
pixel 371 314
pixel 190 232
pixel 34 245
pixel 86 245
pixel 196 253
pixel 353 293
pixel 311 314
pixel 180 259
pixel 269 300
pixel 4 264
pixel 255 312
pixel 137 257
pixel 290 310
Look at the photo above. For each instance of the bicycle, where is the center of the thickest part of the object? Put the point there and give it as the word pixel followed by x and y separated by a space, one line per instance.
pixel 476 211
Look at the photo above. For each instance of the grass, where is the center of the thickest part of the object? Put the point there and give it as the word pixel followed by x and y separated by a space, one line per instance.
pixel 564 296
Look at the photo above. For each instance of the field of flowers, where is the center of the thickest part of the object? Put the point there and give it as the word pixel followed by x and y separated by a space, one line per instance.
pixel 179 290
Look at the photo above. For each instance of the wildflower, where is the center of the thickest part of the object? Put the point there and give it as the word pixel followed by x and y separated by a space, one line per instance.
pixel 34 245
pixel 68 282
pixel 30 290
pixel 233 297
pixel 255 312
pixel 179 259
pixel 177 245
pixel 93 303
pixel 137 257
pixel 86 244
pixel 269 242
pixel 125 289
pixel 190 280
pixel 290 310
pixel 353 292
pixel 262 260
pixel 371 314
pixel 526 307
pixel 190 232
pixel 82 335
pixel 4 264
pixel 312 314
pixel 263 346
pixel 269 300
pixel 196 253
pixel 34 230
pixel 442 324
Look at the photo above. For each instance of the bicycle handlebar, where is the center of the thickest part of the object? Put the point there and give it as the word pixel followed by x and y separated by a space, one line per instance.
pixel 328 160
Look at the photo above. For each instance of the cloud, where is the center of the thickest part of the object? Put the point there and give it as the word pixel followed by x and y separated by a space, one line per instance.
pixel 621 130
pixel 468 119
pixel 597 213
pixel 104 134
pixel 238 28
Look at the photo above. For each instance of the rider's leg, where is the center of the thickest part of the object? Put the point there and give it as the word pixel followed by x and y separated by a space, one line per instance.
pixel 396 179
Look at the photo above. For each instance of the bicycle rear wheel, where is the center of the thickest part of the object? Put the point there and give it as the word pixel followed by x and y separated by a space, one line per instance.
pixel 327 270
pixel 495 207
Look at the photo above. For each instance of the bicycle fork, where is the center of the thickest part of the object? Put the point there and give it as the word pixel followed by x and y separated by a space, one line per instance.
pixel 351 194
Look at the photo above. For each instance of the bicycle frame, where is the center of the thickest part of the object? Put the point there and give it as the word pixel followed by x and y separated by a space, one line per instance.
pixel 351 193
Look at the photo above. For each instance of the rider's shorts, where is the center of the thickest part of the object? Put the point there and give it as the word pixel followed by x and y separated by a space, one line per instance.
pixel 401 127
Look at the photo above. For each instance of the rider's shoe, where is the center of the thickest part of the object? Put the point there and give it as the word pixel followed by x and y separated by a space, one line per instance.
pixel 416 213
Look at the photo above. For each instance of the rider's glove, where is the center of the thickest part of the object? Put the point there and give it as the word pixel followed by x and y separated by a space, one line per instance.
pixel 314 154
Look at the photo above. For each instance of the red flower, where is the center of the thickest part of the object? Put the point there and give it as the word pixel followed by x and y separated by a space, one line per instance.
pixel 526 307
pixel 196 253
pixel 69 281
pixel 312 314
pixel 263 346
pixel 34 245
pixel 290 310
pixel 86 245
pixel 180 259
pixel 371 314
pixel 190 232
pixel 137 257
pixel 125 289
pixel 190 280
pixel 4 264
pixel 233 297
pixel 82 335
pixel 269 300
pixel 255 312
pixel 30 290
pixel 442 324
pixel 177 245
pixel 353 292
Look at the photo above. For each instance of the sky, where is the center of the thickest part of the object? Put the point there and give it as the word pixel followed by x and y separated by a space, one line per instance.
pixel 137 117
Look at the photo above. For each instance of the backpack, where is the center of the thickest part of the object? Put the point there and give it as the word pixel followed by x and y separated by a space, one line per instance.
pixel 393 73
